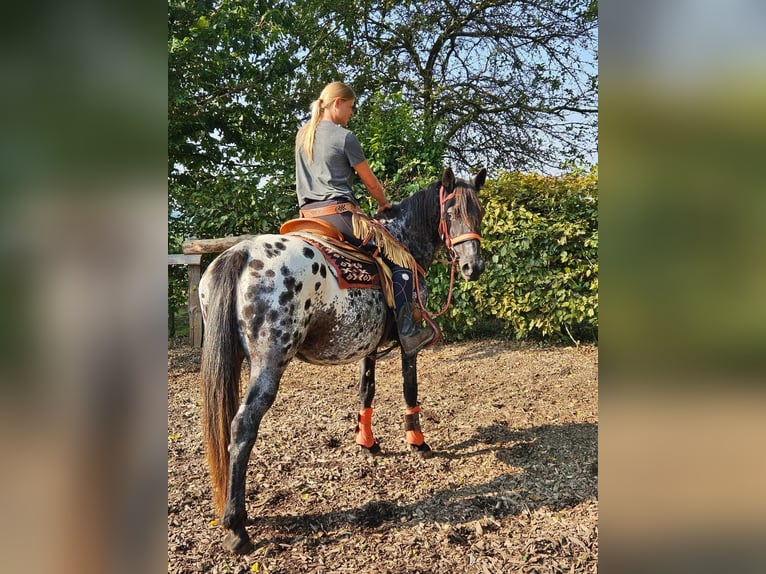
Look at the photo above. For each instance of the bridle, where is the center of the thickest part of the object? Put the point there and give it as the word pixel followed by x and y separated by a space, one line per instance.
pixel 450 241
pixel 453 260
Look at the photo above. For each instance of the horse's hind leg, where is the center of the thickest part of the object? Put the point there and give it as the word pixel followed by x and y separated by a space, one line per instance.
pixel 363 434
pixel 261 392
pixel 413 434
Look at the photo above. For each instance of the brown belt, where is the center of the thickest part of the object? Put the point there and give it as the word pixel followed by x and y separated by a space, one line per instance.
pixel 329 210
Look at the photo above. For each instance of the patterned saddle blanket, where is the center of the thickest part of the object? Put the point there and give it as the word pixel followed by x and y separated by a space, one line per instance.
pixel 353 269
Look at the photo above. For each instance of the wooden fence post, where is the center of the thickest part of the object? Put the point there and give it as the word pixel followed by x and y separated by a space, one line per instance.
pixel 194 265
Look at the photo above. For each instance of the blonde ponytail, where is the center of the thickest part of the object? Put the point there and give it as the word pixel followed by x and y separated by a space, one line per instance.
pixel 308 130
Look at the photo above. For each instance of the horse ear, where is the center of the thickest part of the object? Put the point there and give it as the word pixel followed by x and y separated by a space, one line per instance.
pixel 448 179
pixel 480 178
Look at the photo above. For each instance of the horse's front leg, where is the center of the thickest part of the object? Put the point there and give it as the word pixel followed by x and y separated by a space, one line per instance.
pixel 363 434
pixel 260 395
pixel 413 434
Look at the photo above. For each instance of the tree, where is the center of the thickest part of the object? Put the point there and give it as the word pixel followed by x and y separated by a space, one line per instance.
pixel 231 75
pixel 509 84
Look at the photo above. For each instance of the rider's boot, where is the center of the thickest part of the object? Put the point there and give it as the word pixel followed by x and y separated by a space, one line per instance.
pixel 412 336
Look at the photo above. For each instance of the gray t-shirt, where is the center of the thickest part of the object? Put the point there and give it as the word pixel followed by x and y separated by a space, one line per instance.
pixel 331 174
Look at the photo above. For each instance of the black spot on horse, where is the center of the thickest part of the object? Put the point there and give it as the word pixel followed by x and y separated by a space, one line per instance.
pixel 298 287
pixel 273 315
pixel 285 297
pixel 259 316
pixel 323 271
pixel 279 245
pixel 307 304
pixel 256 264
pixel 285 271
pixel 315 268
pixel 270 273
pixel 308 253
pixel 271 251
pixel 317 285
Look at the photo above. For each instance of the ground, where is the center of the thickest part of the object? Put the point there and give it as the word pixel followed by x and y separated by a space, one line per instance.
pixel 513 485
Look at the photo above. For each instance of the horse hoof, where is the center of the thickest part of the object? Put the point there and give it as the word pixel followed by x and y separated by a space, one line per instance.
pixel 238 542
pixel 421 450
pixel 373 451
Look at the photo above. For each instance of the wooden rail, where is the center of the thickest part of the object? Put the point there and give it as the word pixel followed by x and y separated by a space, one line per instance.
pixel 212 245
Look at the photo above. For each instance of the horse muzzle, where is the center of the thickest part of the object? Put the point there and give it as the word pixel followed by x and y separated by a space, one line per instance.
pixel 471 271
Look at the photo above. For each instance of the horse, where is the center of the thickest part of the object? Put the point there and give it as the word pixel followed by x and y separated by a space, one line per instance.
pixel 271 298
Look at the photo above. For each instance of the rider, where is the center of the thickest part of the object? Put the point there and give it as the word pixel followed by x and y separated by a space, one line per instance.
pixel 326 157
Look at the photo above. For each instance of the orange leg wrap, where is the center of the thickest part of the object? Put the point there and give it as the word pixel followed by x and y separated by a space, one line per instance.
pixel 412 432
pixel 363 432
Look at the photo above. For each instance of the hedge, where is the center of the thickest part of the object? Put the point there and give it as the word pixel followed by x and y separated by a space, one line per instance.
pixel 540 248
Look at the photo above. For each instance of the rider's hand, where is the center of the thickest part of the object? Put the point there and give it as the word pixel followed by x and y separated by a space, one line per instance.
pixel 383 206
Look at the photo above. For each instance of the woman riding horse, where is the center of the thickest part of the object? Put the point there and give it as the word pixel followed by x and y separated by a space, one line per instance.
pixel 327 155
pixel 273 298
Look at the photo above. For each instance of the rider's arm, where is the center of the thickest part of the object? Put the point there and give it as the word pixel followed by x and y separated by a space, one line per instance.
pixel 374 187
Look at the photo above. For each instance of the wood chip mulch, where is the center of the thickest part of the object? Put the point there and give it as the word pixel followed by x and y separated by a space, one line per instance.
pixel 513 485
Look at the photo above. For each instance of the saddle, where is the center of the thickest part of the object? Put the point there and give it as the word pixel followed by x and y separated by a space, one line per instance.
pixel 352 268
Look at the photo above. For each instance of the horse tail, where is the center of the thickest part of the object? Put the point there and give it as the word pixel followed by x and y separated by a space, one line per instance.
pixel 221 365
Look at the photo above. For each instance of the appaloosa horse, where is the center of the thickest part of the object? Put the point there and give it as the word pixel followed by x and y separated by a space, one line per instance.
pixel 272 298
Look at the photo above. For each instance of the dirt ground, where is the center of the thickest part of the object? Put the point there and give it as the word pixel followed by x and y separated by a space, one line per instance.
pixel 513 485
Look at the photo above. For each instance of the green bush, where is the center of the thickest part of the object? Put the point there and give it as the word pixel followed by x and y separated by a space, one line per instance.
pixel 540 248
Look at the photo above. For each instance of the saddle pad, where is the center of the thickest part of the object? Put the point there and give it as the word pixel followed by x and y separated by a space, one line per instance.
pixel 352 268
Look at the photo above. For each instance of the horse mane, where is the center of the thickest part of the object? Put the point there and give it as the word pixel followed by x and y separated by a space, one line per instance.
pixel 422 207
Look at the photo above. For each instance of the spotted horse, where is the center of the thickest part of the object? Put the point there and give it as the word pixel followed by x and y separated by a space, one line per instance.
pixel 272 298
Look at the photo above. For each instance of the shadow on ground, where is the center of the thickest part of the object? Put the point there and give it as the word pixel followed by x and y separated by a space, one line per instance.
pixel 551 465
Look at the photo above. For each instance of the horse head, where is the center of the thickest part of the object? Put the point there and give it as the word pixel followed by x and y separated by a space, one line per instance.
pixel 460 225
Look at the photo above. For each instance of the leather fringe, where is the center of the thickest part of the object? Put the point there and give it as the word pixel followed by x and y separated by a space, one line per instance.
pixel 370 231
